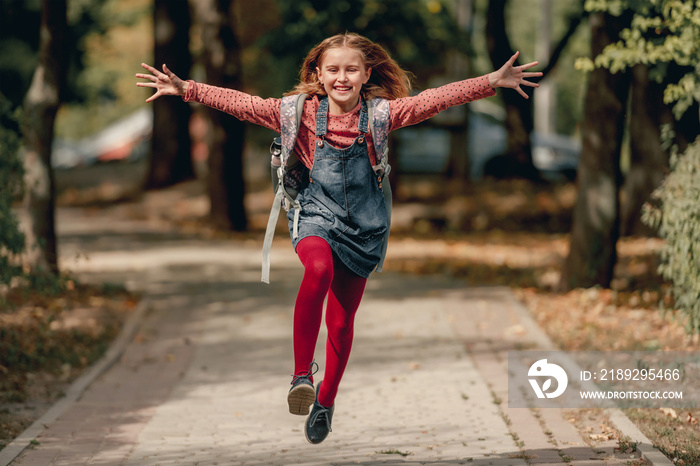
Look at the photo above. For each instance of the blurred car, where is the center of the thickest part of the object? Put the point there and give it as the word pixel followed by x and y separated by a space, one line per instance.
pixel 124 140
pixel 556 156
pixel 66 154
pixel 426 149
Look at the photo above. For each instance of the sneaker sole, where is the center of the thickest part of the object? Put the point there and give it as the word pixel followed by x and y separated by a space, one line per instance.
pixel 300 398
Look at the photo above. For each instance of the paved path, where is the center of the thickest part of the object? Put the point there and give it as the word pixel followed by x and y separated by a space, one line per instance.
pixel 204 382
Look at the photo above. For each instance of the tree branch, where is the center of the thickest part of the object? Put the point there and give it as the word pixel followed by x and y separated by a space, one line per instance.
pixel 574 22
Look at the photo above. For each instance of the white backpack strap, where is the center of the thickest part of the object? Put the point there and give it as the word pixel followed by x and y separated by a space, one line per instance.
pixel 269 234
pixel 379 121
pixel 291 109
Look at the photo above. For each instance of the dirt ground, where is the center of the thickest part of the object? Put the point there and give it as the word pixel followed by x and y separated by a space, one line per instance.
pixel 47 339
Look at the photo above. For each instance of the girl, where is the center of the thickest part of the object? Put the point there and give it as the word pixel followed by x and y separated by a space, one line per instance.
pixel 343 217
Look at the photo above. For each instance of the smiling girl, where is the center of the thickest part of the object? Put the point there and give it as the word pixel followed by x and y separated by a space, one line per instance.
pixel 343 218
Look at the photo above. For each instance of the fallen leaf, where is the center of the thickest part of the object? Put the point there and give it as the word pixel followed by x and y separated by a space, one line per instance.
pixel 669 412
pixel 690 419
pixel 517 329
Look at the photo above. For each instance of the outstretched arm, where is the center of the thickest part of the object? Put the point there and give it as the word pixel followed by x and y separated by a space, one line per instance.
pixel 264 112
pixel 411 110
pixel 514 76
pixel 165 83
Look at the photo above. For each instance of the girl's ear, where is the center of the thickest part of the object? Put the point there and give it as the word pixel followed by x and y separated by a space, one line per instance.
pixel 318 73
pixel 369 73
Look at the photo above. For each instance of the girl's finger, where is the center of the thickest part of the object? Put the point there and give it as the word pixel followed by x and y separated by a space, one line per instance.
pixel 154 85
pixel 146 76
pixel 513 58
pixel 521 92
pixel 149 68
pixel 532 75
pixel 529 65
pixel 153 97
pixel 157 73
pixel 529 83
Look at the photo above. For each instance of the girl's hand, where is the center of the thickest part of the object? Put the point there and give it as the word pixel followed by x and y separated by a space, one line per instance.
pixel 514 76
pixel 165 83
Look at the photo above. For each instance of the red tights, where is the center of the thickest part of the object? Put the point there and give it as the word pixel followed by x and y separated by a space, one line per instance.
pixel 325 274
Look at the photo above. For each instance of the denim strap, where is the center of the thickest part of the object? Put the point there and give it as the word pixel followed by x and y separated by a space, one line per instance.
pixel 322 118
pixel 364 118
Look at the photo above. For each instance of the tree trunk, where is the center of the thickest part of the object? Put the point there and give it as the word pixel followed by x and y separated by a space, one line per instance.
pixel 649 162
pixel 544 101
pixel 459 67
pixel 596 217
pixel 171 160
pixel 40 106
pixel 519 116
pixel 226 134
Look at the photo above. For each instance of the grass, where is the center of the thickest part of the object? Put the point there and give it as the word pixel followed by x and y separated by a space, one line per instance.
pixel 395 452
pixel 625 445
pixel 677 435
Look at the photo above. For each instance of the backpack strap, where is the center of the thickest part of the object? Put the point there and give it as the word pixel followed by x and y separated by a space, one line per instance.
pixel 379 117
pixel 291 109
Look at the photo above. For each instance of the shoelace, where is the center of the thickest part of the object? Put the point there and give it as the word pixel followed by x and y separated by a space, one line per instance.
pixel 321 415
pixel 313 368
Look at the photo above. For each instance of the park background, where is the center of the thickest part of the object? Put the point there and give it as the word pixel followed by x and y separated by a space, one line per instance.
pixel 544 195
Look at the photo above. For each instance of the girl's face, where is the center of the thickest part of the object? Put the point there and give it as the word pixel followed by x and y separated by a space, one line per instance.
pixel 342 73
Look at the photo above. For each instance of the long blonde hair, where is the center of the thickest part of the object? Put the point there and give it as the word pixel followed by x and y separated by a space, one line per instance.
pixel 388 80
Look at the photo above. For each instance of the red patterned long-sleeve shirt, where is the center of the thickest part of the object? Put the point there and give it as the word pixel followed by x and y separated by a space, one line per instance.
pixel 342 129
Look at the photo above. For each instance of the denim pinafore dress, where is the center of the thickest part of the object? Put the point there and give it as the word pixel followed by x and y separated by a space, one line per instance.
pixel 343 201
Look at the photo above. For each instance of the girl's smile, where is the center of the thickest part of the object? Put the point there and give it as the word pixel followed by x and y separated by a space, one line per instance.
pixel 342 74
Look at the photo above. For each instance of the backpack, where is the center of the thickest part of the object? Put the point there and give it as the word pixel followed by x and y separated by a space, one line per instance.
pixel 289 175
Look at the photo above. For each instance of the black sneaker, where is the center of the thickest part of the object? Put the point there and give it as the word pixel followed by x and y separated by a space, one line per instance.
pixel 302 394
pixel 318 424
